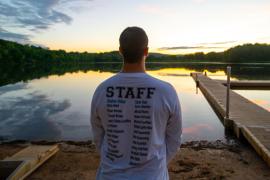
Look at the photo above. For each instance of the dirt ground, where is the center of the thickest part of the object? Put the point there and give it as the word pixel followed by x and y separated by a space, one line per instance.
pixel 195 160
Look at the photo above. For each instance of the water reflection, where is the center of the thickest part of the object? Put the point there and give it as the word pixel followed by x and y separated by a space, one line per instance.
pixel 57 107
pixel 240 71
pixel 29 117
pixel 12 87
pixel 199 120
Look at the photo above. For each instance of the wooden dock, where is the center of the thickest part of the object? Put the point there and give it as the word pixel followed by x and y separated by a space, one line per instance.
pixel 247 120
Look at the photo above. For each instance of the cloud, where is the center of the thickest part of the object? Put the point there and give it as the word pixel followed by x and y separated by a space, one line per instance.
pixel 210 45
pixel 189 47
pixel 157 10
pixel 218 43
pixel 264 38
pixel 151 9
pixel 33 14
pixel 199 1
pixel 22 38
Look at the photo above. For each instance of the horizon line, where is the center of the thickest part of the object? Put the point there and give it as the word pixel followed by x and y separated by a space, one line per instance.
pixel 156 51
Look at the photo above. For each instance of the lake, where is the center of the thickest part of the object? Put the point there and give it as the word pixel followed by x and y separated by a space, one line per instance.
pixel 57 106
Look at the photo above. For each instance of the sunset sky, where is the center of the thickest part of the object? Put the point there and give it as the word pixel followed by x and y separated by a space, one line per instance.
pixel 173 26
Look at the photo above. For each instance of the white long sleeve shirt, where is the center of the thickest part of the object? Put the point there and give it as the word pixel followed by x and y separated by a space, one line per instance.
pixel 137 127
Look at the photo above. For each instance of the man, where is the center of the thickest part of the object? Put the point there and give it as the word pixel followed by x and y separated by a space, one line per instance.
pixel 135 118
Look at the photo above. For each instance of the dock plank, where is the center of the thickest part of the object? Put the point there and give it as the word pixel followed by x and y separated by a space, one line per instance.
pixel 247 119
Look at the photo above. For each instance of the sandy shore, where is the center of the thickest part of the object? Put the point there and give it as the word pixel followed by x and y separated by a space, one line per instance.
pixel 195 160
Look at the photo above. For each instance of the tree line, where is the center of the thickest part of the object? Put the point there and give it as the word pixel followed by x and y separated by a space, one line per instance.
pixel 14 54
pixel 23 62
pixel 247 53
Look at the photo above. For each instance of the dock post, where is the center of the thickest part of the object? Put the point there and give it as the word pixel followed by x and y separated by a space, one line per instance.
pixel 227 121
pixel 197 83
pixel 196 80
pixel 228 92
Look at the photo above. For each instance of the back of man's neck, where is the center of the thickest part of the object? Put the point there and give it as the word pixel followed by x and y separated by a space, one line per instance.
pixel 133 68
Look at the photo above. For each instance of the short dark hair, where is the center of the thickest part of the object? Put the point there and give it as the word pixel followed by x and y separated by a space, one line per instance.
pixel 133 41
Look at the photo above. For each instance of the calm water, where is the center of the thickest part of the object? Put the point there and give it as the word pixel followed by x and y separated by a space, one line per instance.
pixel 57 107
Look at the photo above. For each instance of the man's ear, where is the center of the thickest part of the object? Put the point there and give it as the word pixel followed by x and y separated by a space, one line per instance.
pixel 145 52
pixel 120 51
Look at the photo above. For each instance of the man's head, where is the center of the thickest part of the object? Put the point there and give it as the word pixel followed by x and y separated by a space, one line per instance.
pixel 133 44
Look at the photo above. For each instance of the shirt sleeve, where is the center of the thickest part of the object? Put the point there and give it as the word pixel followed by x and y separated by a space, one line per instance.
pixel 174 130
pixel 97 127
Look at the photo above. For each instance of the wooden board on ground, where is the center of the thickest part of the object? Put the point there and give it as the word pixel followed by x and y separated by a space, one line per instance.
pixel 23 163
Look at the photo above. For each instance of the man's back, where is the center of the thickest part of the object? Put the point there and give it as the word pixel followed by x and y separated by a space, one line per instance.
pixel 136 122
